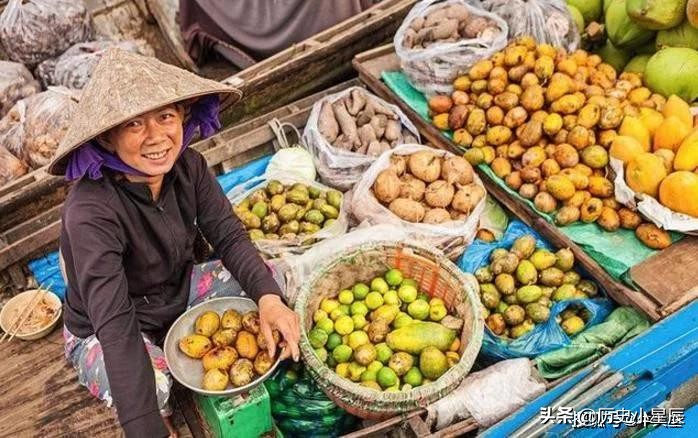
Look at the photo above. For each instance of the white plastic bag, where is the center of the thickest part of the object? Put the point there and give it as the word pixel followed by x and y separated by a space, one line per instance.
pixel 299 244
pixel 488 395
pixel 548 21
pixel 11 167
pixel 16 83
pixel 73 68
pixel 35 30
pixel 451 237
pixel 649 207
pixel 339 168
pixel 35 126
pixel 432 70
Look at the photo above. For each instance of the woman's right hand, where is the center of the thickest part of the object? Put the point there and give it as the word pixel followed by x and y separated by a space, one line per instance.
pixel 274 314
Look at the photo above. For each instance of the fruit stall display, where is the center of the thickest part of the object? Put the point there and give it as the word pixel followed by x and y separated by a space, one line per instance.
pixel 231 348
pixel 546 121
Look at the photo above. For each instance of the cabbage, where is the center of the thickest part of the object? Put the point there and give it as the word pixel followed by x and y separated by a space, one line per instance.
pixel 673 70
pixel 294 160
pixel 683 35
pixel 637 64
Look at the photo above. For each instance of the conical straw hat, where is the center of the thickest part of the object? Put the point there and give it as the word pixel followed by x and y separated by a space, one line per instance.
pixel 125 85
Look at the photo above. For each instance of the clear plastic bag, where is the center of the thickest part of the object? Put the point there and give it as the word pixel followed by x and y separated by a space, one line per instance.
pixel 451 237
pixel 11 167
pixel 36 30
pixel 35 126
pixel 340 168
pixel 16 83
pixel 73 68
pixel 298 244
pixel 548 21
pixel 432 70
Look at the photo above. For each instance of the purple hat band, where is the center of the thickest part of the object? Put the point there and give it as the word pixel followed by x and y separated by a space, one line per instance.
pixel 89 159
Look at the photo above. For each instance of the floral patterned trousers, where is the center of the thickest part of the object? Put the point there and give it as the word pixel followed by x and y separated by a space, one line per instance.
pixel 208 280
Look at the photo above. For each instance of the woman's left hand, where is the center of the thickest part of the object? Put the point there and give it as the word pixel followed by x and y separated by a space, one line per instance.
pixel 274 314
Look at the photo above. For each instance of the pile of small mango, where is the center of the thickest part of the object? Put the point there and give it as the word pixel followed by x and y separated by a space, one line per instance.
pixel 519 286
pixel 231 347
pixel 280 211
pixel 544 121
pixel 386 335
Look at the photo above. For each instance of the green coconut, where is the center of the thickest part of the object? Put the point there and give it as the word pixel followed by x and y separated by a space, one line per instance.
pixel 637 64
pixel 673 70
pixel 590 9
pixel 683 35
pixel 623 32
pixel 657 14
pixel 649 48
pixel 577 18
pixel 611 55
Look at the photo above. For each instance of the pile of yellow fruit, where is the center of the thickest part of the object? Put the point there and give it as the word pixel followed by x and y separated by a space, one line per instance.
pixel 662 161
pixel 386 335
pixel 544 121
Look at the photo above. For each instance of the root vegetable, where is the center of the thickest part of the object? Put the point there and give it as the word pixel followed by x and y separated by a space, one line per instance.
pixel 379 123
pixel 425 166
pixel 378 108
pixel 386 188
pixel 417 24
pixel 346 122
pixel 375 148
pixel 398 163
pixel 327 124
pixel 407 209
pixel 412 188
pixel 435 17
pixel 457 170
pixel 358 102
pixel 436 216
pixel 439 194
pixel 392 130
pixel 467 198
pixel 445 29
pixel 366 135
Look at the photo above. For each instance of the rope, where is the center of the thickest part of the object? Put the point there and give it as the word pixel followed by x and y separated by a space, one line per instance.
pixel 278 128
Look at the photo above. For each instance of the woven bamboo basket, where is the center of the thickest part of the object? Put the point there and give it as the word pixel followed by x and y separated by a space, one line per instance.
pixel 436 275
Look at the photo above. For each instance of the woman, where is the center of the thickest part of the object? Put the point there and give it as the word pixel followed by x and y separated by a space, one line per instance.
pixel 129 226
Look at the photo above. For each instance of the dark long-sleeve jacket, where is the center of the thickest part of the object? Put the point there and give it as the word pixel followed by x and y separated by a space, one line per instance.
pixel 129 260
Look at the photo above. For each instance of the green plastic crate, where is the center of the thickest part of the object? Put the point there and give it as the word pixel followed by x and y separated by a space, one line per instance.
pixel 241 416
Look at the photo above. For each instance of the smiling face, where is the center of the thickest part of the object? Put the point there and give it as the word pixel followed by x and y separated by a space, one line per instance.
pixel 150 142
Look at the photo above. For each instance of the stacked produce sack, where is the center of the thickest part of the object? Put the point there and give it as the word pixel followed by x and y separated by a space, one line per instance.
pixel 348 130
pixel 432 194
pixel 544 121
pixel 656 37
pixel 437 41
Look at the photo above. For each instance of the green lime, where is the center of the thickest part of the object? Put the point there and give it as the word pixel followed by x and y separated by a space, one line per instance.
pixel 358 308
pixel 359 321
pixel 328 305
pixel 418 309
pixel 345 309
pixel 355 371
pixel 319 314
pixel 386 378
pixel 436 302
pixel 317 338
pixel 374 300
pixel 321 353
pixel 437 312
pixel 342 354
pixel 368 376
pixel 357 339
pixel 344 325
pixel 331 363
pixel 374 366
pixel 409 282
pixel 391 297
pixel 370 384
pixel 407 293
pixel 336 313
pixel 342 370
pixel 326 325
pixel 346 296
pixel 383 353
pixel 423 296
pixel 360 291
pixel 402 320
pixel 333 340
pixel 413 377
pixel 393 277
pixel 379 285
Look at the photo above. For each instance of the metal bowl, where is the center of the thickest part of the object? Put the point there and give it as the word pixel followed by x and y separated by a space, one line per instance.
pixel 188 371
